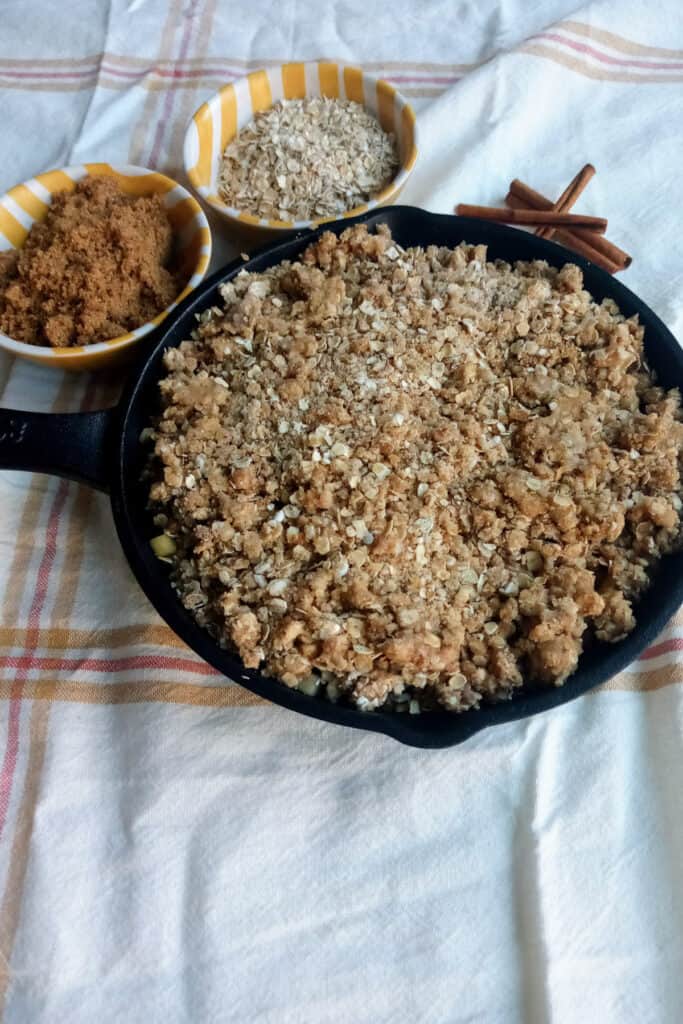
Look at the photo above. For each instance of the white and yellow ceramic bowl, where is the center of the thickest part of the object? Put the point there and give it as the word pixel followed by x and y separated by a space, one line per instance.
pixel 28 203
pixel 218 120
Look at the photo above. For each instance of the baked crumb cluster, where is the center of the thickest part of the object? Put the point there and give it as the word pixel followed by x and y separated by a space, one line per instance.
pixel 413 475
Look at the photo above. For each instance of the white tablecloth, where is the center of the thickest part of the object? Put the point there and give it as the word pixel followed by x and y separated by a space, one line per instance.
pixel 173 850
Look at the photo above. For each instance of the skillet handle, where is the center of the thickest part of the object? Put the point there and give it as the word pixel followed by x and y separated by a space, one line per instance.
pixel 75 445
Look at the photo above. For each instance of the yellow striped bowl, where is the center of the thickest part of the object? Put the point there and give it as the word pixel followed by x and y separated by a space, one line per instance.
pixel 218 120
pixel 28 203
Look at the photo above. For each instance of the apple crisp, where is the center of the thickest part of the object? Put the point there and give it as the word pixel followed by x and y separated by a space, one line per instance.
pixel 413 477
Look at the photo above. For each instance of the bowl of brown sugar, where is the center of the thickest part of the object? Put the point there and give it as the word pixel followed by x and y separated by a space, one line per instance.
pixel 92 259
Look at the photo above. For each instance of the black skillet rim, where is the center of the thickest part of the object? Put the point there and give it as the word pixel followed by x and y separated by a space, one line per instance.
pixel 429 729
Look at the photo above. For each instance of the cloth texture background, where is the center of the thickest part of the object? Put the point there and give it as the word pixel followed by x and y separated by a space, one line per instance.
pixel 171 848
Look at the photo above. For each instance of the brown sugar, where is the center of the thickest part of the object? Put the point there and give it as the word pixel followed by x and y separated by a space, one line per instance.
pixel 95 268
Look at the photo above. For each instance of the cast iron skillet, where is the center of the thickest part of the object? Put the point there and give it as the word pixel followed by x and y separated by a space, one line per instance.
pixel 102 449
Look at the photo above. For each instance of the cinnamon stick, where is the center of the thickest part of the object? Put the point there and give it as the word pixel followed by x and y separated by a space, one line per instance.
pixel 573 241
pixel 531 198
pixel 532 217
pixel 569 197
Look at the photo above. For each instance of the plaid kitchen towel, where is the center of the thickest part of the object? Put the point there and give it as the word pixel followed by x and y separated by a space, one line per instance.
pixel 173 849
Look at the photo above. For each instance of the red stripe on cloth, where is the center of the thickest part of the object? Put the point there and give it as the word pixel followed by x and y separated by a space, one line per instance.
pixel 423 79
pixel 190 73
pixel 26 662
pixel 9 763
pixel 665 647
pixel 605 58
pixel 174 73
pixel 169 97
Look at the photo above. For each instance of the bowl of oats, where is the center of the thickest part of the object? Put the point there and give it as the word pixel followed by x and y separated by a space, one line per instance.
pixel 294 146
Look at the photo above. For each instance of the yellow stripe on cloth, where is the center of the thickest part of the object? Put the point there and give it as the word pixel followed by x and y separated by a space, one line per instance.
pixel 50 690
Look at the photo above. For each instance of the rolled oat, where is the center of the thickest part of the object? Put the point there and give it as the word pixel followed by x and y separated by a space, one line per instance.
pixel 301 159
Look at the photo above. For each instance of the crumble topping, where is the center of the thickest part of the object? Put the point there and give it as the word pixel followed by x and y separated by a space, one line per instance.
pixel 413 476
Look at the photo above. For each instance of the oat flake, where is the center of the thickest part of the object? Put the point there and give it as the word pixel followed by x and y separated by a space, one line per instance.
pixel 302 159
